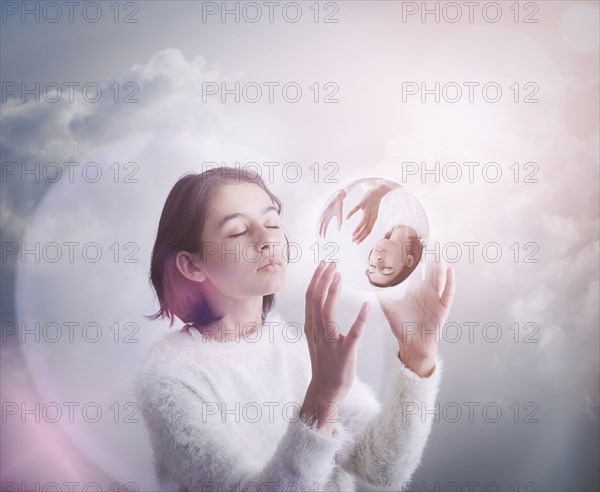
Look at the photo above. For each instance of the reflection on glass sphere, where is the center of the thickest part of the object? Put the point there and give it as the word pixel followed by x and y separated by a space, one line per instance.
pixel 376 230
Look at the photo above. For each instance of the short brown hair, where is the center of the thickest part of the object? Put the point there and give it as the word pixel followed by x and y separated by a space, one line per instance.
pixel 180 229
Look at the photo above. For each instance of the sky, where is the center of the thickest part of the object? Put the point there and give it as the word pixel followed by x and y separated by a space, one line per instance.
pixel 490 121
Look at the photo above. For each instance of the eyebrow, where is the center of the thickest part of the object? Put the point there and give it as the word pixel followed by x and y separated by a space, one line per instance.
pixel 239 214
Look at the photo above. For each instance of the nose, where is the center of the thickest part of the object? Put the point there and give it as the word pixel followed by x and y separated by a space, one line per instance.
pixel 267 239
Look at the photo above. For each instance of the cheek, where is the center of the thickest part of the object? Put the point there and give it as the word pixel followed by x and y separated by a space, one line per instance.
pixel 228 267
pixel 232 278
pixel 281 241
pixel 218 273
pixel 394 257
pixel 279 248
pixel 236 256
pixel 248 256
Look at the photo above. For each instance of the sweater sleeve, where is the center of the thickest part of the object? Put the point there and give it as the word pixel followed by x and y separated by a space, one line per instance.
pixel 195 450
pixel 388 439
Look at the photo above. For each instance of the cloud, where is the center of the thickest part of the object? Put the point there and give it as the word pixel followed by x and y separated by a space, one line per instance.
pixel 559 214
pixel 171 131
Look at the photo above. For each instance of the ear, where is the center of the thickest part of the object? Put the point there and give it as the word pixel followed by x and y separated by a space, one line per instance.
pixel 286 253
pixel 189 266
pixel 410 260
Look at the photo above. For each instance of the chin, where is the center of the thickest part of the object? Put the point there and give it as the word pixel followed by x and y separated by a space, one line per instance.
pixel 278 284
pixel 271 284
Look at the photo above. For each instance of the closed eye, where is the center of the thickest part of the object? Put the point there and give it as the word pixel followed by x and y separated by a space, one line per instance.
pixel 386 270
pixel 244 232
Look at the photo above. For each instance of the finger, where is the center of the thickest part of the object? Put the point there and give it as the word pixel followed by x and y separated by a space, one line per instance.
pixel 448 294
pixel 358 230
pixel 356 234
pixel 437 274
pixel 359 227
pixel 363 234
pixel 310 327
pixel 354 209
pixel 430 272
pixel 357 328
pixel 331 298
pixel 359 240
pixel 326 328
pixel 339 220
pixel 310 291
pixel 415 280
pixel 325 224
pixel 369 225
pixel 318 297
pixel 361 224
pixel 321 222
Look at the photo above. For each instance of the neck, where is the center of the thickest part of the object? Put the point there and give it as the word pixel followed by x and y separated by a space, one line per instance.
pixel 241 316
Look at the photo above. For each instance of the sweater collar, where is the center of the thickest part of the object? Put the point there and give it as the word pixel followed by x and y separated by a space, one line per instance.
pixel 252 338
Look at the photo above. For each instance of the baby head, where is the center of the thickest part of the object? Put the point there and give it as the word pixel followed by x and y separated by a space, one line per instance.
pixel 394 257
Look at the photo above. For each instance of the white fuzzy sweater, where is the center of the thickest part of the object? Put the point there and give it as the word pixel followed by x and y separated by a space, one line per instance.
pixel 224 416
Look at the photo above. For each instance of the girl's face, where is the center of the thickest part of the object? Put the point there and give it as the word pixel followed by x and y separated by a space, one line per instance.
pixel 242 233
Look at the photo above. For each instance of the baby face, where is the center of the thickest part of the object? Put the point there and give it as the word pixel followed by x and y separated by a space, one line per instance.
pixel 390 256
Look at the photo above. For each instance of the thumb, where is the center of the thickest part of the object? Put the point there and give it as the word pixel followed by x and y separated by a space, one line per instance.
pixel 357 328
pixel 353 211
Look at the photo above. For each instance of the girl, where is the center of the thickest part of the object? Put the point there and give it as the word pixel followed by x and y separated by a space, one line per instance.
pixel 240 400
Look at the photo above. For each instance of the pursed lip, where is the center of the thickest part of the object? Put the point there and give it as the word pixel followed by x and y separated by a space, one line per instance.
pixel 272 262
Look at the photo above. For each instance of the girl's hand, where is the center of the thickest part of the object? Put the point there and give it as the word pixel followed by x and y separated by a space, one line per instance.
pixel 417 319
pixel 370 206
pixel 332 355
pixel 333 209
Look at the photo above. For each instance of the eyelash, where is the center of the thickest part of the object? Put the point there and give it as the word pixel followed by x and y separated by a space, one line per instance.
pixel 242 233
